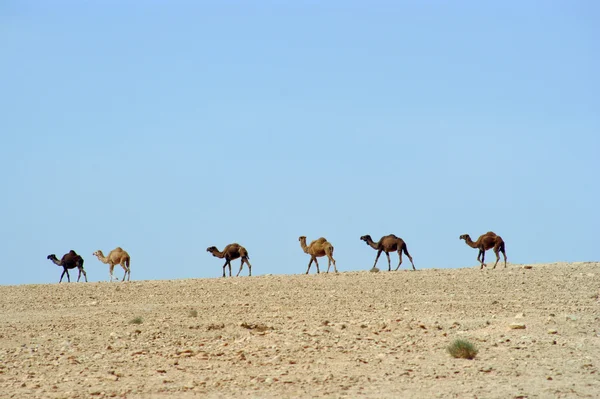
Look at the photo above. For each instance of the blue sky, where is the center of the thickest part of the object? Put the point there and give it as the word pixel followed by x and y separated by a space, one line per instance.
pixel 168 127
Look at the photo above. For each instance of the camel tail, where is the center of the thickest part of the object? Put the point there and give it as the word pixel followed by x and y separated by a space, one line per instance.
pixel 405 250
pixel 127 262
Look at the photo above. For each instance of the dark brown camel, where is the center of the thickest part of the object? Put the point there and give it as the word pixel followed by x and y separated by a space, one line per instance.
pixel 487 241
pixel 388 244
pixel 317 248
pixel 231 252
pixel 69 261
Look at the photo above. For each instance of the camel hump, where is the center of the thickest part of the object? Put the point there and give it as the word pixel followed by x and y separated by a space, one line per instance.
pixel 320 240
pixel 118 249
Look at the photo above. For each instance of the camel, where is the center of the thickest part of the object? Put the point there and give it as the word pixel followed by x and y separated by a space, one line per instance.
pixel 232 252
pixel 117 256
pixel 316 249
pixel 69 261
pixel 487 241
pixel 387 244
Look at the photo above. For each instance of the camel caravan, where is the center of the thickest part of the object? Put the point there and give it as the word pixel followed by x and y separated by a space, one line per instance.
pixel 316 249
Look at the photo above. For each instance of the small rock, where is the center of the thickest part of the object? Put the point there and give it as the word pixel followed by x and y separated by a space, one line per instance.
pixel 572 317
pixel 276 359
pixel 519 316
pixel 517 326
pixel 552 331
pixel 528 267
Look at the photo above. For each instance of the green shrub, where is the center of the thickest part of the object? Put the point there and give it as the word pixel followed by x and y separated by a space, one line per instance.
pixel 463 349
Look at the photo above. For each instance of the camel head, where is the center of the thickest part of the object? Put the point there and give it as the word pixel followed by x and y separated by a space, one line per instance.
pixel 212 249
pixel 366 238
pixel 464 237
pixel 51 257
pixel 302 239
pixel 98 253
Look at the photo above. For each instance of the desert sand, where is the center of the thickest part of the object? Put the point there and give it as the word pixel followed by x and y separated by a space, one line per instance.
pixel 352 334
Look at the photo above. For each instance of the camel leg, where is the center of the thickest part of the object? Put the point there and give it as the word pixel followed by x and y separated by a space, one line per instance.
pixel 497 252
pixel 84 274
pixel 317 264
pixel 334 267
pixel 409 258
pixel 330 260
pixel 224 266
pixel 389 261
pixel 377 258
pixel 241 267
pixel 125 269
pixel 399 259
pixel 65 271
pixel 309 263
pixel 111 268
pixel 482 253
pixel 249 266
pixel 504 253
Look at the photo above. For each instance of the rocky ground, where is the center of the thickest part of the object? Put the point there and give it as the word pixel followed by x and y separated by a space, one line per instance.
pixel 354 334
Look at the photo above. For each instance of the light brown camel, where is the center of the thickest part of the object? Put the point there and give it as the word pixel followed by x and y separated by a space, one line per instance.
pixel 316 249
pixel 69 261
pixel 232 252
pixel 117 256
pixel 487 241
pixel 387 244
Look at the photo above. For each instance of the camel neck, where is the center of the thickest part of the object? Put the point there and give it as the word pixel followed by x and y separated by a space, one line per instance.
pixel 372 244
pixel 470 242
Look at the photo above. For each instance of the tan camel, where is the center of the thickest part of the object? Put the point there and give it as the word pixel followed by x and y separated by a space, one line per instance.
pixel 316 249
pixel 387 244
pixel 232 252
pixel 117 256
pixel 69 261
pixel 487 241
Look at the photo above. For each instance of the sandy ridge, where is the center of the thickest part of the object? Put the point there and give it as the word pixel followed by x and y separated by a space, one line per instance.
pixel 346 335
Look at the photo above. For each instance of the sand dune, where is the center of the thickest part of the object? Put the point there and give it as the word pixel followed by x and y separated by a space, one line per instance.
pixel 354 334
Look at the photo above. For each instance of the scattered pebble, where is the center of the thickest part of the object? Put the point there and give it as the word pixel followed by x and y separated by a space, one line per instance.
pixel 517 326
